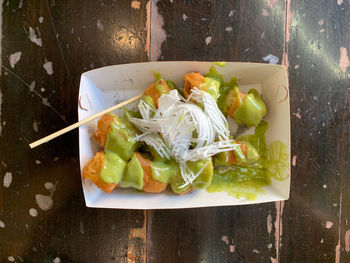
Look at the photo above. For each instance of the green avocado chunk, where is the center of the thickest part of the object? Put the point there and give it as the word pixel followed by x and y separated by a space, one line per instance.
pixel 113 168
pixel 134 174
pixel 121 138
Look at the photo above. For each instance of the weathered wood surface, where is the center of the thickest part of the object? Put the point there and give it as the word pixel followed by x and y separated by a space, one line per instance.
pixel 310 37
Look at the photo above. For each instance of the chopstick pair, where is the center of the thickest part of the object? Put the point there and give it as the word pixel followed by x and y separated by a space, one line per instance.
pixel 77 124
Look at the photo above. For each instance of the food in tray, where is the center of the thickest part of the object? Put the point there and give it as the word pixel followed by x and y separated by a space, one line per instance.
pixel 181 140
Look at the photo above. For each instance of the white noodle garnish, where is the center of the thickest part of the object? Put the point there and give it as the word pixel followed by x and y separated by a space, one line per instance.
pixel 184 131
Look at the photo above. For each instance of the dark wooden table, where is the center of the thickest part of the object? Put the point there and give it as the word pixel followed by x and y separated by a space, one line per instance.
pixel 310 37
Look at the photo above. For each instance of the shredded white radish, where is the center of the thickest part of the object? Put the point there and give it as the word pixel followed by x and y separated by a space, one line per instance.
pixel 184 131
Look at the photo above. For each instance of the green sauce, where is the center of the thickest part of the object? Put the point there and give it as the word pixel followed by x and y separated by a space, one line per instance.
pixel 227 94
pixel 205 167
pixel 121 138
pixel 251 110
pixel 164 171
pixel 248 181
pixel 134 174
pixel 278 161
pixel 240 182
pixel 113 168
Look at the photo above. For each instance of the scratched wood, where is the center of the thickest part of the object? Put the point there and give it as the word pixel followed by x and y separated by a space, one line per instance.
pixel 320 106
pixel 76 36
pixel 239 31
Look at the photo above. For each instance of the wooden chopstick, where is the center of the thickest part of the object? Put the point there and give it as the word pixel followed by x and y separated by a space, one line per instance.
pixel 77 124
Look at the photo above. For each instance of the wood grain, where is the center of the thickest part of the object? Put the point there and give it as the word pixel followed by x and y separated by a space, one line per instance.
pixel 73 40
pixel 239 32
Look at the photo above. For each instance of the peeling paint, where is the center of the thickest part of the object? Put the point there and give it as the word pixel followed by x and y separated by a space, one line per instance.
pixel 225 239
pixel 100 25
pixel 136 4
pixel 48 67
pixel 231 14
pixel 271 59
pixel 347 241
pixel 2 224
pixel 329 224
pixel 288 20
pixel 184 17
pixel 320 22
pixel 33 212
pixel 158 34
pixel 340 2
pixel 337 252
pixel 294 160
pixel 256 251
pixel 269 223
pixel 232 248
pixel 207 40
pixel 57 260
pixel 344 59
pixel 272 3
pixel 41 20
pixel 14 58
pixel 44 202
pixel 324 186
pixel 33 37
pixel 7 180
pixel 228 29
pixel 11 259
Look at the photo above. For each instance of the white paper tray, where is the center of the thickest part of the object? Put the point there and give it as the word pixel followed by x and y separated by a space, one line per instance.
pixel 105 87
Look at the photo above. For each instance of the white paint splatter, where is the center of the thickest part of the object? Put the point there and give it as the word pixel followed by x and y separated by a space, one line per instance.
pixel 57 260
pixel 294 160
pixel 34 38
pixel 269 246
pixel 32 86
pixel 2 224
pixel 340 2
pixel 231 14
pixel 344 59
pixel 33 212
pixel 271 59
pixel 42 89
pixel 269 223
pixel 135 4
pixel 1 9
pixel 100 25
pixel 329 224
pixel 264 12
pixel 41 20
pixel 320 22
pixel 20 5
pixel 11 259
pixel 256 251
pixel 37 162
pixel 296 66
pixel 228 29
pixel 48 67
pixel 48 186
pixel 232 248
pixel 207 40
pixel 298 115
pixel 347 241
pixel 46 102
pixel 322 30
pixel 158 34
pixel 321 241
pixel 184 17
pixel 7 179
pixel 14 58
pixel 273 260
pixel 225 239
pixel 44 202
pixel 324 186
